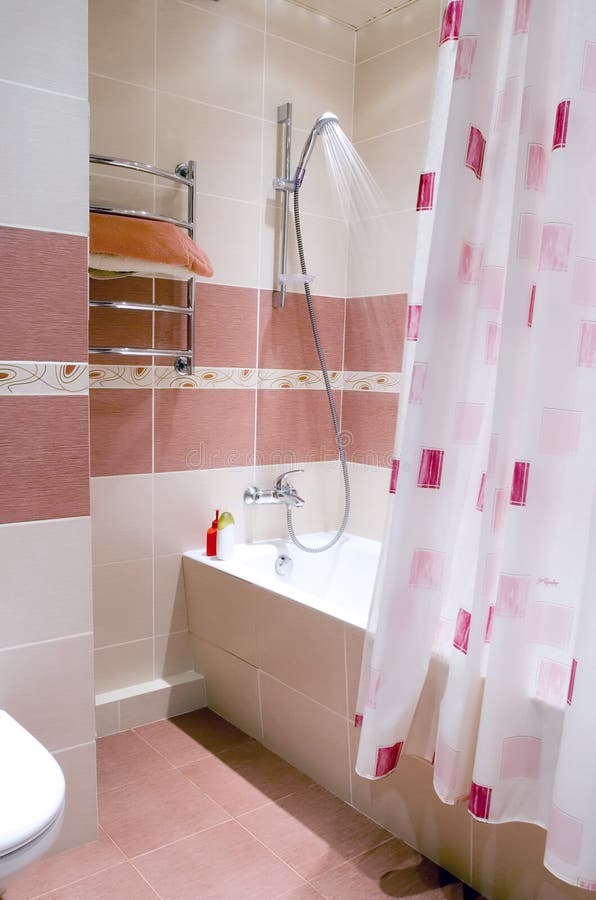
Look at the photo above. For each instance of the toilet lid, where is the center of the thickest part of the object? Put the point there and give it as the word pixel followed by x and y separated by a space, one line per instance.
pixel 31 786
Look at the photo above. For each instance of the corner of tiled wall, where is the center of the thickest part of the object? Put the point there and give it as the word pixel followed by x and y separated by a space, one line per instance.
pixel 46 640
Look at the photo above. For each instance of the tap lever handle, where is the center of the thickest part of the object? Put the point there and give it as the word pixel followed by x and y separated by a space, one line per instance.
pixel 280 483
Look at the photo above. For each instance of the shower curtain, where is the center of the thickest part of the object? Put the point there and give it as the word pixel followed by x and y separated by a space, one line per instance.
pixel 486 592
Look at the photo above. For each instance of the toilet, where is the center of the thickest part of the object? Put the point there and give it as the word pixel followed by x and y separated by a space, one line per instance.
pixel 32 799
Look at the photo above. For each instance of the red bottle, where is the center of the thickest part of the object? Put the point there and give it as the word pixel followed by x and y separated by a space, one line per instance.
pixel 212 536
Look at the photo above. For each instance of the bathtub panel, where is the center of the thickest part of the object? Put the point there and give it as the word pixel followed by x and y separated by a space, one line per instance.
pixel 222 609
pixel 354 648
pixel 306 734
pixel 303 648
pixel 232 686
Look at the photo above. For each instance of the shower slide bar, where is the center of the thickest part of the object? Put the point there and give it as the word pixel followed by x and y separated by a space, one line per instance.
pixel 184 174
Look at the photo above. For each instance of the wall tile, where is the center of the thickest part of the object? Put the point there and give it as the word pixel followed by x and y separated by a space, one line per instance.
pixel 172 700
pixel 403 25
pixel 123 664
pixel 42 269
pixel 122 602
pixel 132 192
pixel 285 335
pixel 294 426
pixel 398 184
pixel 56 57
pixel 374 265
pixel 45 581
pixel 193 53
pixel 304 26
pixel 107 718
pixel 121 431
pixel 289 722
pixel 394 89
pixel 121 39
pixel 57 198
pixel 117 327
pixel 121 518
pixel 370 419
pixel 247 12
pixel 170 595
pixel 375 333
pixel 172 654
pixel 204 429
pixel 80 818
pixel 44 462
pixel 48 688
pixel 122 123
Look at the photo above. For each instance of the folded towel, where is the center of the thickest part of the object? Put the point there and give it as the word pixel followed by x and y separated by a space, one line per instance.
pixel 125 244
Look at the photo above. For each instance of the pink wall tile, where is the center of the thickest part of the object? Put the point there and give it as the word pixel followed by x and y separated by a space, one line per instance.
pixel 120 431
pixel 368 421
pixel 285 336
pixel 375 329
pixel 118 327
pixel 225 323
pixel 44 458
pixel 205 428
pixel 43 296
pixel 294 426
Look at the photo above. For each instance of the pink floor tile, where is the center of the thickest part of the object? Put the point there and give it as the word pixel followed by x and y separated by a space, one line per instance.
pixel 224 863
pixel 119 883
pixel 124 757
pixel 306 892
pixel 192 736
pixel 391 870
pixel 243 779
pixel 313 831
pixel 153 811
pixel 64 868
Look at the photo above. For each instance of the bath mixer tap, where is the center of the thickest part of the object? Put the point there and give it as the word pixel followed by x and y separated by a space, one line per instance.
pixel 282 492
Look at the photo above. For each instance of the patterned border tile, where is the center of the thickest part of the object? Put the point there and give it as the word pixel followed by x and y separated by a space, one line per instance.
pixel 388 382
pixel 115 377
pixel 166 377
pixel 18 378
pixel 288 379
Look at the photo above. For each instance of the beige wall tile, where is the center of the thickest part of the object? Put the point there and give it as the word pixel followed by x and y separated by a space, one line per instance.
pixel 232 686
pixel 248 12
pixel 313 82
pixel 394 90
pixel 122 119
pixel 194 50
pixel 395 161
pixel 45 580
pixel 106 190
pixel 381 256
pixel 303 26
pixel 306 734
pixel 170 598
pixel 48 688
pixel 354 647
pixel 122 602
pixel 56 199
pixel 123 665
pixel 303 648
pixel 222 609
pixel 370 493
pixel 121 40
pixel 401 26
pixel 172 654
pixel 121 518
pixel 80 817
pixel 162 704
pixel 56 53
pixel 107 718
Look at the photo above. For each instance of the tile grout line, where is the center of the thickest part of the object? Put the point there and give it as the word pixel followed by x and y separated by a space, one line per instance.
pixel 413 40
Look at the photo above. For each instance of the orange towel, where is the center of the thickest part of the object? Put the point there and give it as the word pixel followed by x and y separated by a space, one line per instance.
pixel 157 243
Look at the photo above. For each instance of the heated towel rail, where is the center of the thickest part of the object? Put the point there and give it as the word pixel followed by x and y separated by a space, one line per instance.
pixel 184 174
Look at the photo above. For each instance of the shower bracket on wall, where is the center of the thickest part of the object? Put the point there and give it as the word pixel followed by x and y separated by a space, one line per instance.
pixel 284 184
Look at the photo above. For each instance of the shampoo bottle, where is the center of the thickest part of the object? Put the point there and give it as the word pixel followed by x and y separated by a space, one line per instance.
pixel 225 536
pixel 211 549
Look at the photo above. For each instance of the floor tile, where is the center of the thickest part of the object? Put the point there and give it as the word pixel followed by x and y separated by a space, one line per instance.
pixel 119 883
pixel 245 778
pixel 192 736
pixel 124 757
pixel 64 868
pixel 224 863
pixel 313 831
pixel 306 892
pixel 153 811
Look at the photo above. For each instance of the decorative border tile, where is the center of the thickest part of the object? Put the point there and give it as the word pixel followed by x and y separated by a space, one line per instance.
pixel 19 378
pixel 166 377
pixel 115 377
pixel 389 382
pixel 288 379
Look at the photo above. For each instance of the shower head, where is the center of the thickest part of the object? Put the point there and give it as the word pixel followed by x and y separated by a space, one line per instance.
pixel 325 120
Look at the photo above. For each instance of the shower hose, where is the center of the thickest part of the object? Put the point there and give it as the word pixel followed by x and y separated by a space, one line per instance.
pixel 334 416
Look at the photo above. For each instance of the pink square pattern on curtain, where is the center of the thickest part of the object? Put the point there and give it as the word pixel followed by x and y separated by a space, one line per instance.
pixel 358 720
pixel 467 422
pixel 583 292
pixel 512 595
pixel 520 757
pixel 536 168
pixel 387 758
pixel 571 682
pixel 462 630
pixel 550 624
pixel 560 431
pixel 490 291
pixel 426 569
pixel 498 518
pixel 588 77
pixel 470 263
pixel 480 498
pixel 417 383
pixel 555 246
pixel 528 240
pixel 451 24
pixel 431 468
pixel 586 357
pixel 475 151
pixel 531 305
pixel 394 474
pixel 564 836
pixel 552 682
pixel 493 449
pixel 491 576
pixel 480 797
pixel 561 124
pixel 506 101
pixel 464 60
pixel 426 191
pixel 489 624
pixel 522 16
pixel 413 325
pixel 493 340
pixel 519 487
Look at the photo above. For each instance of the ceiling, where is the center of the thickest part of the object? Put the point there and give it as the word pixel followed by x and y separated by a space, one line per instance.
pixel 354 13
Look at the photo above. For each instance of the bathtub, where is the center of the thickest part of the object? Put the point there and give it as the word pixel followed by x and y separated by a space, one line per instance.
pixel 338 582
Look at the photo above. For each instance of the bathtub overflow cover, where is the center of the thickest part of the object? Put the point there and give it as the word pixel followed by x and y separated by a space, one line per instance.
pixel 284 564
